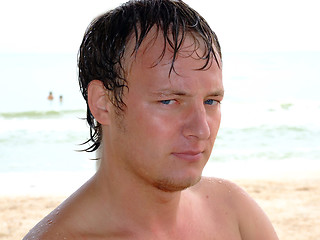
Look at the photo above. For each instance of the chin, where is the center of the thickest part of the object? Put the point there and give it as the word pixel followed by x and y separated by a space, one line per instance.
pixel 175 185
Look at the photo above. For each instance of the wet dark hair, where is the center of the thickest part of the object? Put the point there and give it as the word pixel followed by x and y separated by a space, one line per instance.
pixel 105 41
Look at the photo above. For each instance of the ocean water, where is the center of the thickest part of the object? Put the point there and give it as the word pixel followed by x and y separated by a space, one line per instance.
pixel 270 114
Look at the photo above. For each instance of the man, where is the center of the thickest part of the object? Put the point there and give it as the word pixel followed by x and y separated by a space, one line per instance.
pixel 150 72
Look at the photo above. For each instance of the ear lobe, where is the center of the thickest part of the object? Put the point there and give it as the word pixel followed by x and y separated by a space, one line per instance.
pixel 99 102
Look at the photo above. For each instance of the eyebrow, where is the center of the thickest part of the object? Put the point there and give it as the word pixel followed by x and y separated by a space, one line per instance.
pixel 172 92
pixel 218 92
pixel 169 92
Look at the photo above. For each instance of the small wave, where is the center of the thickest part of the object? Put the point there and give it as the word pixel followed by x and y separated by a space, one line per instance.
pixel 40 114
pixel 286 106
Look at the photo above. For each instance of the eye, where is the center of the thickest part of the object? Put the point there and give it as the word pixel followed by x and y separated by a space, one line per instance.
pixel 166 102
pixel 210 102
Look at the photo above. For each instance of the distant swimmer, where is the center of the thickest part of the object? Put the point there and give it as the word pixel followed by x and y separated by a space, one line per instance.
pixel 61 98
pixel 50 97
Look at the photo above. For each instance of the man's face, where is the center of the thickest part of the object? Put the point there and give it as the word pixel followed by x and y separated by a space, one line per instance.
pixel 168 128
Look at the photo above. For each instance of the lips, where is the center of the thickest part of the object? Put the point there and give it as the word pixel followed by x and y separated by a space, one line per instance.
pixel 190 156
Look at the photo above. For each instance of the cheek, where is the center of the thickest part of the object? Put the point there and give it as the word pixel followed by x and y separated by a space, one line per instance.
pixel 155 127
pixel 149 121
pixel 214 124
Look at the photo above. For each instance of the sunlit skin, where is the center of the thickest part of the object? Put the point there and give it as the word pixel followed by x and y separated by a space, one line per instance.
pixel 170 123
pixel 149 183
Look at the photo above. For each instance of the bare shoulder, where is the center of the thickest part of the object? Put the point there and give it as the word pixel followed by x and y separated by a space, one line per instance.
pixel 63 222
pixel 222 193
pixel 47 228
pixel 219 188
pixel 78 217
pixel 251 219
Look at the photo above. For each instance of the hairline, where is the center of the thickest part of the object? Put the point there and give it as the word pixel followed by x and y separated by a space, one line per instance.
pixel 132 50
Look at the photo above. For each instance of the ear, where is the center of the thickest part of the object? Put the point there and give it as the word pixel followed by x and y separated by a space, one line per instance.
pixel 99 102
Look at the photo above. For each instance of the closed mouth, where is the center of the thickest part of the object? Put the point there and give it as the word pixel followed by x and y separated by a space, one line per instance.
pixel 189 155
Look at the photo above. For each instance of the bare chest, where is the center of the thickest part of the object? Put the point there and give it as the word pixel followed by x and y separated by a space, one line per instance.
pixel 204 230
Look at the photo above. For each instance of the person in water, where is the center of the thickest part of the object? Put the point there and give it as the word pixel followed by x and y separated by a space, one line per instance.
pixel 50 96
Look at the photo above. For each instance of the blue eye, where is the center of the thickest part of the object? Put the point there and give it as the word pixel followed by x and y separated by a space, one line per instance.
pixel 166 102
pixel 210 102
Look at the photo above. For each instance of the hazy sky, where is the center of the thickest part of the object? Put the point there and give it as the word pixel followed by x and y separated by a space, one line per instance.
pixel 241 25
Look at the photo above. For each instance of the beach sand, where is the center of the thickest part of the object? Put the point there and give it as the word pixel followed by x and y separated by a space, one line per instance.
pixel 292 204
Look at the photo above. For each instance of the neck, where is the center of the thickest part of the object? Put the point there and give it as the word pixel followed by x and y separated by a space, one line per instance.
pixel 135 200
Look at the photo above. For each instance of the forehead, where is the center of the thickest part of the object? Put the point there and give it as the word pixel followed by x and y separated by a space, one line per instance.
pixel 156 50
pixel 149 69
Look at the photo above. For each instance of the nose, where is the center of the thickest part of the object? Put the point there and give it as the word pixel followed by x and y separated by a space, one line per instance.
pixel 196 123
